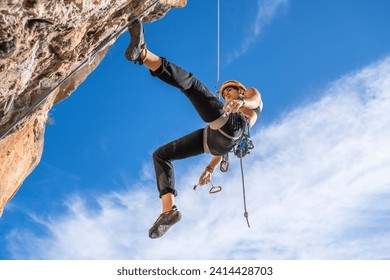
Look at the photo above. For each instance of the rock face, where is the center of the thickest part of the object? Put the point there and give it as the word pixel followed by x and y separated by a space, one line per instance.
pixel 42 43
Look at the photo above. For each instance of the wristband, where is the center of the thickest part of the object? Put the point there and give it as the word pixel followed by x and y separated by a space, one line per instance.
pixel 243 100
pixel 209 169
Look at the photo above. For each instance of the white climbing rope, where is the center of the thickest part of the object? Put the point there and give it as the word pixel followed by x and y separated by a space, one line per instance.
pixel 218 49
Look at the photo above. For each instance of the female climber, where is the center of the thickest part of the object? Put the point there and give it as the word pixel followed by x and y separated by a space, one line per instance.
pixel 225 123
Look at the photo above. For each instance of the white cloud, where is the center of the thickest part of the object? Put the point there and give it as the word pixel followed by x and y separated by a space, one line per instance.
pixel 318 187
pixel 266 12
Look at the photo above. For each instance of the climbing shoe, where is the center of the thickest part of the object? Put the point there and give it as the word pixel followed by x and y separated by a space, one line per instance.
pixel 164 222
pixel 137 43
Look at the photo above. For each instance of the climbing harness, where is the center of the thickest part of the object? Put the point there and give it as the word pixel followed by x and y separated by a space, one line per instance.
pixel 88 61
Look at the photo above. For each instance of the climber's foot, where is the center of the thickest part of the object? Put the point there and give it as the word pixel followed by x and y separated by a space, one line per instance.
pixel 164 222
pixel 137 43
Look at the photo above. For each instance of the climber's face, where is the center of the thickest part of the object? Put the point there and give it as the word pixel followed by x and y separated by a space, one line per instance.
pixel 230 93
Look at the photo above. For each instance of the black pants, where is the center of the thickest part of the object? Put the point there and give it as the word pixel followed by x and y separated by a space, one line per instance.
pixel 209 109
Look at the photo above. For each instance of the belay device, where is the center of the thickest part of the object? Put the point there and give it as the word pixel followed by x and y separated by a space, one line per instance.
pixel 245 143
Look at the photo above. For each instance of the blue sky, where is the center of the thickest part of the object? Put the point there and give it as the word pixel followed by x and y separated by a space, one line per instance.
pixel 318 182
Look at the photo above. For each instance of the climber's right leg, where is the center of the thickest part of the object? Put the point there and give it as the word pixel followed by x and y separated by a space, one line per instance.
pixel 205 102
pixel 137 51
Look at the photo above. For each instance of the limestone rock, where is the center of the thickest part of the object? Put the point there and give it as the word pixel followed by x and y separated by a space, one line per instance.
pixel 41 43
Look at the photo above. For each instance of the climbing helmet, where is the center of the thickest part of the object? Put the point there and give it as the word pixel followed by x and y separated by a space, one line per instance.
pixel 231 83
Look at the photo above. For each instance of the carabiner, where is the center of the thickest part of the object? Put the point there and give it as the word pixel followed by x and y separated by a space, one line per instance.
pixel 215 189
pixel 224 166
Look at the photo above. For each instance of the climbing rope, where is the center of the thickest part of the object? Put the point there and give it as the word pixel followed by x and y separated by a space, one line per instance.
pixel 241 150
pixel 218 94
pixel 246 215
pixel 89 60
pixel 245 143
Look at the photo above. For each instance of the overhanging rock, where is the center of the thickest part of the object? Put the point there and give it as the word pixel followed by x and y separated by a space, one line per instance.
pixel 41 43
